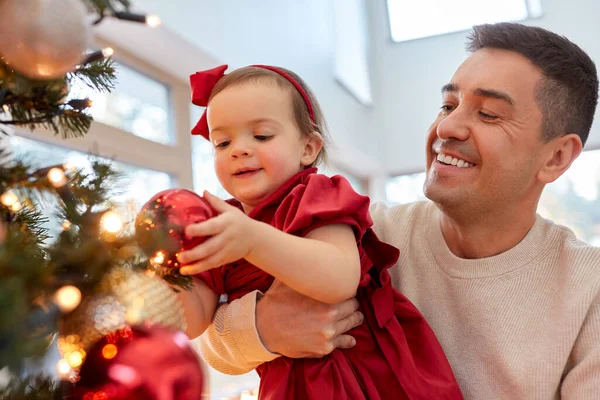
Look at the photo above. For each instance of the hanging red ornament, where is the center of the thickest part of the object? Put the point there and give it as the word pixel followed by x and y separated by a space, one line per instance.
pixel 141 363
pixel 159 226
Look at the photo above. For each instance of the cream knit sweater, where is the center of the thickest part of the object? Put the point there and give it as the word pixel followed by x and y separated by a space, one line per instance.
pixel 524 324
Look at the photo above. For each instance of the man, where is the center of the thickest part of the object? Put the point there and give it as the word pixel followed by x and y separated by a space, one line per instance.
pixel 514 299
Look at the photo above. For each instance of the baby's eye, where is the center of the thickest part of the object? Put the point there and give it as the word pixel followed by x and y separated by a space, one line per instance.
pixel 263 138
pixel 222 145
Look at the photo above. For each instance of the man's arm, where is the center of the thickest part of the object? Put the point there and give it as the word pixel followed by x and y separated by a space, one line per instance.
pixel 231 344
pixel 582 380
pixel 245 334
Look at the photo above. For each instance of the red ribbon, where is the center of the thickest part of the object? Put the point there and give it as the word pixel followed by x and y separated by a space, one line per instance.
pixel 202 84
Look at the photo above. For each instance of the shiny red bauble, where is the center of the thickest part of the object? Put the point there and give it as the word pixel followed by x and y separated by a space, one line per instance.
pixel 141 363
pixel 160 225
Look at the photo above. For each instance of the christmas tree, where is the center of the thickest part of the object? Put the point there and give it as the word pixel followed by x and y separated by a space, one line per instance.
pixel 90 288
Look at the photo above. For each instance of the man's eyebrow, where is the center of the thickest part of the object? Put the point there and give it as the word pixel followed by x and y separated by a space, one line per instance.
pixel 491 93
pixel 449 87
pixel 495 94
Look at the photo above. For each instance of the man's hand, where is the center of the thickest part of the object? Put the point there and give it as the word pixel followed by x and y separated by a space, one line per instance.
pixel 297 326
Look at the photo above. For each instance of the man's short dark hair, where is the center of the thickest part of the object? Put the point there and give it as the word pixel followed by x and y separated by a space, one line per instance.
pixel 568 94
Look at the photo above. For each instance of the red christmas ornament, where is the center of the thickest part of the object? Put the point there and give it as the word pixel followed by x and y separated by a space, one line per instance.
pixel 159 226
pixel 141 363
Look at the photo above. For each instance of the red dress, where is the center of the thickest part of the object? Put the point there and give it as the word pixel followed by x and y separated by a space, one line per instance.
pixel 396 356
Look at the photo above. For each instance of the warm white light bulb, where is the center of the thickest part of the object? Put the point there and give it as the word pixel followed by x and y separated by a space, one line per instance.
pixel 111 222
pixel 63 367
pixel 153 21
pixel 108 51
pixel 67 298
pixel 159 257
pixel 74 359
pixel 9 198
pixel 68 166
pixel 57 177
pixel 16 206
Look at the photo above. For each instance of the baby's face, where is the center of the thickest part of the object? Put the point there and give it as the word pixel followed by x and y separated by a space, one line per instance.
pixel 258 145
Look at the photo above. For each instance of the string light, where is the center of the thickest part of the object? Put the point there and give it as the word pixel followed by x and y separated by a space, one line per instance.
pixel 80 104
pixel 16 207
pixel 5 108
pixel 159 257
pixel 63 367
pixel 69 167
pixel 57 177
pixel 66 225
pixel 153 21
pixel 111 222
pixel 109 351
pixel 108 51
pixel 74 359
pixel 9 198
pixel 67 298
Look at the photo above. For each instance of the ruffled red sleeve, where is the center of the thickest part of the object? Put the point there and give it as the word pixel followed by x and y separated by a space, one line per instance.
pixel 320 200
pixel 213 278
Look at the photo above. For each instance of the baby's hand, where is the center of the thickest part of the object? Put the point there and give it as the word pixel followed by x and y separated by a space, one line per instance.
pixel 231 238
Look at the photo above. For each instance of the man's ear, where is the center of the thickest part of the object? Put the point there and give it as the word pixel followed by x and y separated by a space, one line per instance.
pixel 563 151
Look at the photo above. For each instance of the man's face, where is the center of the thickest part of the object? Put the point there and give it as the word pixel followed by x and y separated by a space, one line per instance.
pixel 483 149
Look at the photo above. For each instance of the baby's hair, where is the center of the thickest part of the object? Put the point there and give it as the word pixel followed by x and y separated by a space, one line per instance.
pixel 301 113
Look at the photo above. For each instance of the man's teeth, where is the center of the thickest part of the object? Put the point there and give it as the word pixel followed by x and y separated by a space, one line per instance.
pixel 441 157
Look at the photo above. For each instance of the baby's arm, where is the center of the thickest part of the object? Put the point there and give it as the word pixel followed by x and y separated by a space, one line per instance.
pixel 199 305
pixel 324 265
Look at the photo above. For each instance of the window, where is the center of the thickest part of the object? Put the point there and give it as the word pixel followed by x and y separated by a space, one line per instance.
pixel 351 67
pixel 573 200
pixel 205 177
pixel 139 183
pixel 404 189
pixel 410 19
pixel 135 188
pixel 138 104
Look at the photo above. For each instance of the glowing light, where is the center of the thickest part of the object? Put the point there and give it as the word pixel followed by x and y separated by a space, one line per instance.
pixel 57 177
pixel 16 207
pixel 66 225
pixel 5 108
pixel 153 21
pixel 63 367
pixel 9 198
pixel 159 257
pixel 70 167
pixel 111 222
pixel 108 51
pixel 75 359
pixel 67 298
pixel 109 351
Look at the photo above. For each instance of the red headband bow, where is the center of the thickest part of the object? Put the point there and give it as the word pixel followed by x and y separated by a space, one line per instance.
pixel 203 82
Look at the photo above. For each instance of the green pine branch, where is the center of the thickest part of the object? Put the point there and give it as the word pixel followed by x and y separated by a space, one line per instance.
pixel 32 388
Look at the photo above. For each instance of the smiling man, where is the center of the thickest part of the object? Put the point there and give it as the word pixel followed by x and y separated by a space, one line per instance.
pixel 513 298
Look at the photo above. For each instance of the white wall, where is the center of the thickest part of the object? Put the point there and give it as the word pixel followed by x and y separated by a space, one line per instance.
pixel 409 75
pixel 296 35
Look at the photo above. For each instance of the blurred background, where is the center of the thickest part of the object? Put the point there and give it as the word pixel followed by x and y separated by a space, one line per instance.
pixel 376 66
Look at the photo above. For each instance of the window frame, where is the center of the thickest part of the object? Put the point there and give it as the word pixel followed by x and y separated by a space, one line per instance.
pixel 114 143
pixel 534 11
